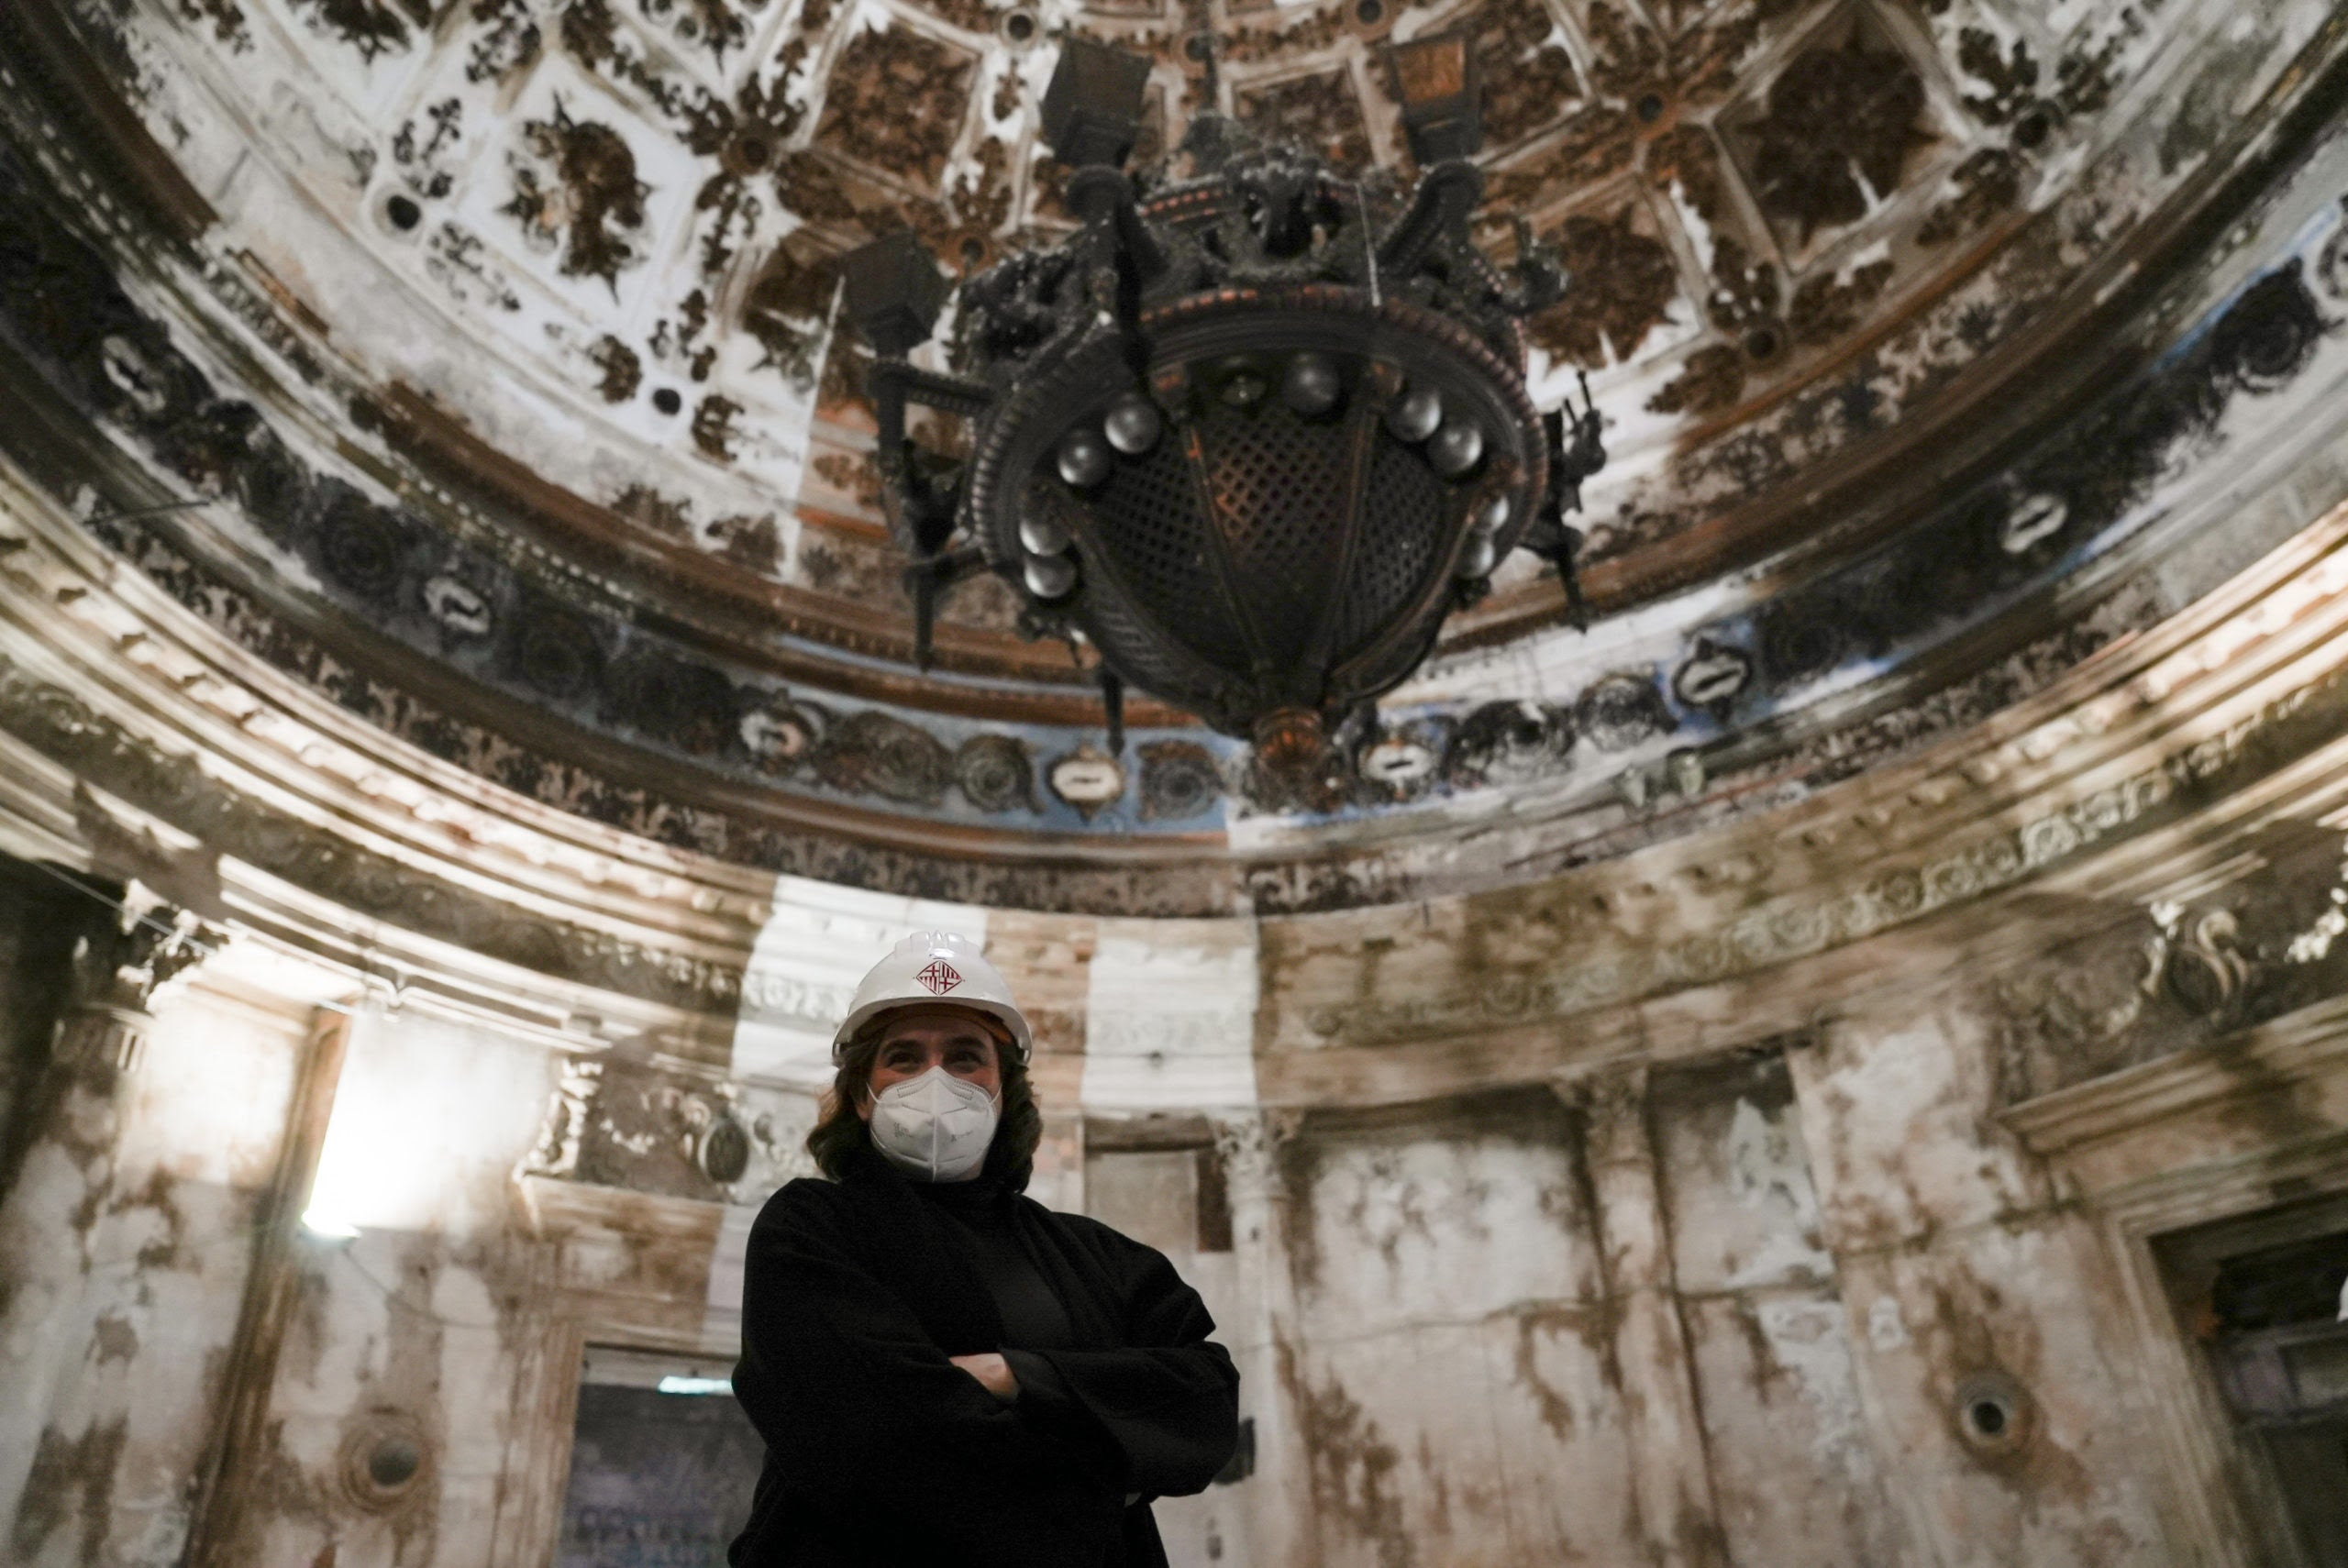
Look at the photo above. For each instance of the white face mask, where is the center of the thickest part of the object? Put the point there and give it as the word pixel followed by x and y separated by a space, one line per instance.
pixel 935 1126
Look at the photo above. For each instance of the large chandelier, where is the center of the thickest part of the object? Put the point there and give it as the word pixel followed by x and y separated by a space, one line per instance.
pixel 1253 432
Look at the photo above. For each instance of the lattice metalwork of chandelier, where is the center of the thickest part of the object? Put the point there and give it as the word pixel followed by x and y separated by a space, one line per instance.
pixel 1254 429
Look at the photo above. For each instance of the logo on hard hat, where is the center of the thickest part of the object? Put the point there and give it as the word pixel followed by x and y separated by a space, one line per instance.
pixel 940 977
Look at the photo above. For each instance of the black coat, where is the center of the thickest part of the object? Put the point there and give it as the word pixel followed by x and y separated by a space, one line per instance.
pixel 880 1454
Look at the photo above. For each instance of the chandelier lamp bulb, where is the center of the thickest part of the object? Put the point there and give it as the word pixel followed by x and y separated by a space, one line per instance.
pixel 1416 414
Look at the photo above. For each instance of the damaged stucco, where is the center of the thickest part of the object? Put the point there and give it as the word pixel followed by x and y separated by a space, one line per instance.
pixel 1651 1122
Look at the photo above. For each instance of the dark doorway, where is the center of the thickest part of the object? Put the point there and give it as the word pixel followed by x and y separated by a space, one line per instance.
pixel 2263 1294
pixel 658 1479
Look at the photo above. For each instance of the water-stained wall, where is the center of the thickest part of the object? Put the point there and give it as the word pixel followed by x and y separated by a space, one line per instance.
pixel 423 1329
pixel 1715 1302
pixel 1965 1272
pixel 129 1237
pixel 1448 1355
pixel 1759 1292
pixel 1789 1191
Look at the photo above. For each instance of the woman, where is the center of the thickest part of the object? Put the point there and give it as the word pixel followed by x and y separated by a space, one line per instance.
pixel 945 1371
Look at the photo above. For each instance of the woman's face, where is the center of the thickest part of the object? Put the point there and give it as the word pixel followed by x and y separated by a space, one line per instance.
pixel 918 1039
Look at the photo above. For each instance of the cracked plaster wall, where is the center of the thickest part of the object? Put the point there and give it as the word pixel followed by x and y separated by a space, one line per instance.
pixel 1716 1310
pixel 115 1368
pixel 1498 1296
pixel 1699 1277
pixel 433 1320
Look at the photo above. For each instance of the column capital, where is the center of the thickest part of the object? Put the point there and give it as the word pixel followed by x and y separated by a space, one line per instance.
pixel 1248 1142
pixel 148 943
pixel 119 965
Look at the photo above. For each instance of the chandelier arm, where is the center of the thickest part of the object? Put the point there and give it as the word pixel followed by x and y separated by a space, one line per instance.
pixel 1569 570
pixel 1559 544
pixel 926 582
pixel 1446 193
pixel 1570 462
pixel 1112 708
pixel 921 514
pixel 950 394
pixel 888 395
pixel 911 505
pixel 1101 197
pixel 1142 249
pixel 1127 256
pixel 1551 537
pixel 1541 277
pixel 890 456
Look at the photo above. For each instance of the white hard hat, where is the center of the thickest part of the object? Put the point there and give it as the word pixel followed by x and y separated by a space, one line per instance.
pixel 936 969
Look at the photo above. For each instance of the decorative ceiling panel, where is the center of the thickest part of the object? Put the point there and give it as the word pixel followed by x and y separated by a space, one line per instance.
pixel 637 202
pixel 510 356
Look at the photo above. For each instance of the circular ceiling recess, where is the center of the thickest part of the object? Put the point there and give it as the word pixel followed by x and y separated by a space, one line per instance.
pixel 478 362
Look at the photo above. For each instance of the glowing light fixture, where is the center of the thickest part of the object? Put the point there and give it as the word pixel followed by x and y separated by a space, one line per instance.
pixel 675 1384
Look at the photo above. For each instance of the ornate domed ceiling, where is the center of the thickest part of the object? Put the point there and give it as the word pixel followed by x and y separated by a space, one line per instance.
pixel 475 362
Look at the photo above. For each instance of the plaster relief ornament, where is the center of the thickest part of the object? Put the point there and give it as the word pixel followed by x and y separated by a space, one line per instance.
pixel 881 754
pixel 1397 762
pixel 996 773
pixel 1252 435
pixel 723 1150
pixel 1618 711
pixel 2034 517
pixel 1713 676
pixel 1404 761
pixel 1087 779
pixel 779 736
pixel 1500 742
pixel 1179 780
pixel 2332 266
pixel 458 606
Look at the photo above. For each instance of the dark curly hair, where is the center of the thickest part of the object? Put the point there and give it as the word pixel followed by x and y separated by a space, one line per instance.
pixel 840 1132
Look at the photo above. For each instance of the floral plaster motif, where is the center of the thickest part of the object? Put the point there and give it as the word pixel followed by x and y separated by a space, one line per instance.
pixel 1627 287
pixel 1840 125
pixel 896 102
pixel 586 199
pixel 1320 114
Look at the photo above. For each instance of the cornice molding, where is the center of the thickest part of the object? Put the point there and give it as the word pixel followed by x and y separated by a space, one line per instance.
pixel 149 741
pixel 2158 733
pixel 2275 1056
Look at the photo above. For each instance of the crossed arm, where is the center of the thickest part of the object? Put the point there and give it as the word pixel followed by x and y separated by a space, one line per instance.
pixel 842 1379
pixel 994 1374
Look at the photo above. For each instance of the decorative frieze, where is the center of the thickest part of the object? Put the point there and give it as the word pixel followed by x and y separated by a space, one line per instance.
pixel 180 790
